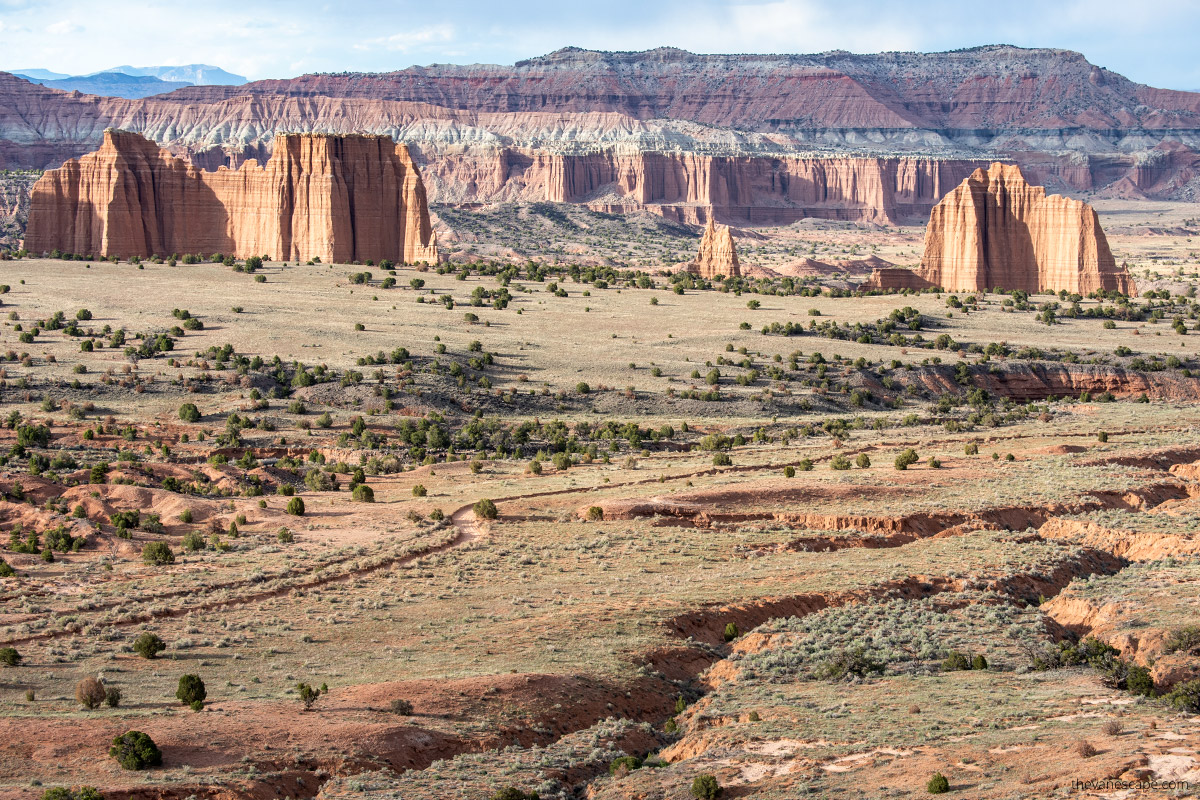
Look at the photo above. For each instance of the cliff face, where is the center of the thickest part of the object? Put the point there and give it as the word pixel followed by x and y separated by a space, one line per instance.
pixel 340 198
pixel 717 255
pixel 689 187
pixel 995 230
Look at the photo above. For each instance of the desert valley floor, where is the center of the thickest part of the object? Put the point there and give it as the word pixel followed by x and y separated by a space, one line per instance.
pixel 619 530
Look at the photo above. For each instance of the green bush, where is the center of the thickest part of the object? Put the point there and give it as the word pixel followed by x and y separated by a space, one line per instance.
pixel 284 536
pixel 956 661
pixel 148 645
pixel 112 697
pixel 863 461
pixel 731 631
pixel 1185 697
pixel 9 656
pixel 189 413
pixel 363 494
pixel 486 509
pixel 419 490
pixel 789 471
pixel 402 707
pixel 295 507
pixel 595 513
pixel 979 662
pixel 907 459
pixel 839 462
pixel 513 793
pixel 937 784
pixel 135 750
pixel 561 461
pixel 156 554
pixel 63 793
pixel 1139 682
pixel 191 692
pixel 722 460
pixel 805 465
pixel 705 787
pixel 308 694
pixel 624 764
pixel 193 541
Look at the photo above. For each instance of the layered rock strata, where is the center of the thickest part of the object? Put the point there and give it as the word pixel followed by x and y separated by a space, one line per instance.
pixel 335 197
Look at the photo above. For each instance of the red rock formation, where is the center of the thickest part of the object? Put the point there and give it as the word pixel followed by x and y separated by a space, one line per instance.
pixel 340 198
pixel 895 279
pixel 997 231
pixel 717 255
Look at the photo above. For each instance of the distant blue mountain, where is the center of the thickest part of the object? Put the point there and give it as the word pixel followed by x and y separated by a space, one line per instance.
pixel 195 74
pixel 37 75
pixel 133 82
pixel 111 84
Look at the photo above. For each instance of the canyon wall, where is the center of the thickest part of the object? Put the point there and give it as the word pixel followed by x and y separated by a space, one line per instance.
pixel 758 139
pixel 689 187
pixel 339 198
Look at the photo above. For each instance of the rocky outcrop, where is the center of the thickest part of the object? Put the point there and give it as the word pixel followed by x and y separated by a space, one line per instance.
pixel 340 198
pixel 717 255
pixel 997 231
pixel 895 279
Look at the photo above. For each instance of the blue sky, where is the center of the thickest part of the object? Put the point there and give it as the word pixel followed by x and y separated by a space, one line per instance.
pixel 1151 41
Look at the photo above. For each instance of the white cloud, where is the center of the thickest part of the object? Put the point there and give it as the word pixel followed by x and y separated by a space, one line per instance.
pixel 420 38
pixel 64 27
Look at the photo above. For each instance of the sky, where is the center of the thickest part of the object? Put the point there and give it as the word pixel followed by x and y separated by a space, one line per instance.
pixel 1149 41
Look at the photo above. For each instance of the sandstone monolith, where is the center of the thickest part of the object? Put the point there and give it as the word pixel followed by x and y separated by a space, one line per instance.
pixel 717 255
pixel 340 198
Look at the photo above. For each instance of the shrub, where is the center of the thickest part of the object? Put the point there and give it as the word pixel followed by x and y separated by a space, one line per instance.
pixel 193 541
pixel 839 462
pixel 934 463
pixel 789 471
pixel 582 388
pixel 156 554
pixel 1185 639
pixel 112 697
pixel 561 461
pixel 437 515
pixel 191 692
pixel 624 764
pixel 284 536
pixel 402 707
pixel 135 750
pixel 535 467
pixel 486 509
pixel 513 793
pixel 705 787
pixel 731 631
pixel 1186 697
pixel 722 460
pixel 907 459
pixel 1085 749
pixel 419 490
pixel 1111 728
pixel 89 692
pixel 979 662
pixel 843 664
pixel 805 465
pixel 363 493
pixel 937 784
pixel 63 793
pixel 1102 437
pixel 1138 681
pixel 863 461
pixel 9 656
pixel 595 513
pixel 956 661
pixel 295 507
pixel 148 645
pixel 189 413
pixel 308 694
